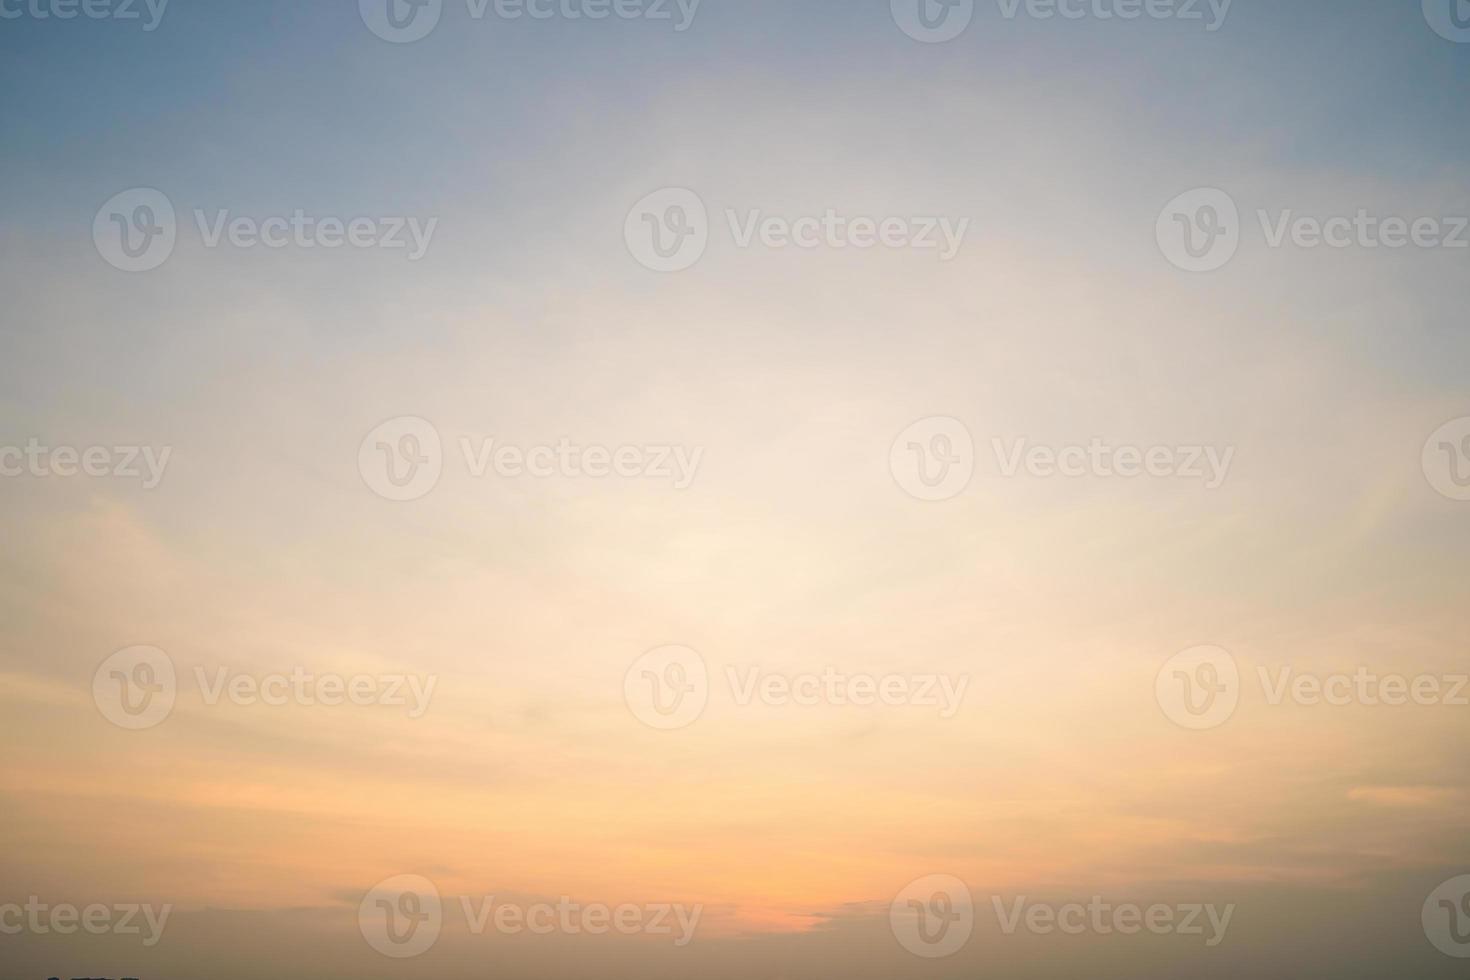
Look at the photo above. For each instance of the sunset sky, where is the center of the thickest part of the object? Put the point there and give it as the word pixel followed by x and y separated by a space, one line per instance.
pixel 795 549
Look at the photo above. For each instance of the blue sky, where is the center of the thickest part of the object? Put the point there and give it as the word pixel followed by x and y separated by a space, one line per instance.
pixel 301 96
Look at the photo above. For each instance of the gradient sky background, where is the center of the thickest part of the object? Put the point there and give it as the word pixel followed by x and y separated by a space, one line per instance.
pixel 528 321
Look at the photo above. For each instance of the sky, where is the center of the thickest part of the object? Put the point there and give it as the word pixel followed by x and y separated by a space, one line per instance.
pixel 613 547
